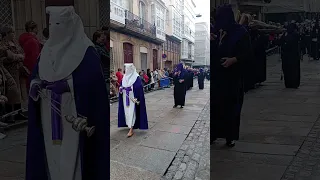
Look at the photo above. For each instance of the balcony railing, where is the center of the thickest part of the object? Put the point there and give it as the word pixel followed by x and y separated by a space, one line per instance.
pixel 136 23
pixel 117 13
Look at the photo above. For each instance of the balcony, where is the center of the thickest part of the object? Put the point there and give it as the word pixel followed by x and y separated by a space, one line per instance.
pixel 141 28
pixel 117 14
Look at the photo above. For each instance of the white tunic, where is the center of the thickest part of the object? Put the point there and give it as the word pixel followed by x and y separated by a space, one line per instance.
pixel 64 162
pixel 130 113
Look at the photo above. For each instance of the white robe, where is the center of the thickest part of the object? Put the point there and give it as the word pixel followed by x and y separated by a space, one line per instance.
pixel 130 113
pixel 64 162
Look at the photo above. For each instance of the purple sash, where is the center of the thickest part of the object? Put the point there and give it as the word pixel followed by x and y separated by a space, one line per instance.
pixel 56 120
pixel 127 89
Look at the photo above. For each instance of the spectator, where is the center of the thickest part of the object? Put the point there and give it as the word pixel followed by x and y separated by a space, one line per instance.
pixel 31 46
pixel 99 38
pixel 13 62
pixel 45 34
pixel 119 75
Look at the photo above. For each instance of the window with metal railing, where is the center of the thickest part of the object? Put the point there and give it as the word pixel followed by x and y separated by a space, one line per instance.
pixel 104 12
pixel 6 17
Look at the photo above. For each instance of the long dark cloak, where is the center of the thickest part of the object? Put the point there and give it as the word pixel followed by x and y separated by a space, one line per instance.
pixel 191 78
pixel 91 99
pixel 186 79
pixel 201 77
pixel 290 56
pixel 179 91
pixel 141 112
pixel 261 59
pixel 227 92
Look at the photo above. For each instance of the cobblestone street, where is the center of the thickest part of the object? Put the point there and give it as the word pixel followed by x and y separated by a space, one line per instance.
pixel 177 138
pixel 279 137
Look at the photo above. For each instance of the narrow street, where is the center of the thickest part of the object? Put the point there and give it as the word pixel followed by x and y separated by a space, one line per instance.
pixel 148 154
pixel 176 138
pixel 280 136
pixel 280 131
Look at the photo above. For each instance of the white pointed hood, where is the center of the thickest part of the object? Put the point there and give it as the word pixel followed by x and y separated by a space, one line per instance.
pixel 66 46
pixel 130 75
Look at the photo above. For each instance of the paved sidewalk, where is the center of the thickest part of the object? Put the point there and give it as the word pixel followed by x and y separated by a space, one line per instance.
pixel 193 158
pixel 148 154
pixel 280 131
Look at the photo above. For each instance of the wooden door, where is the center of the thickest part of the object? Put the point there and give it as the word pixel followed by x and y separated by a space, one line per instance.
pixel 128 52
pixel 57 3
pixel 155 59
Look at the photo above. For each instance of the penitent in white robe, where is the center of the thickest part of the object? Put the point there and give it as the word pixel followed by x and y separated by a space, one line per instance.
pixel 129 111
pixel 64 162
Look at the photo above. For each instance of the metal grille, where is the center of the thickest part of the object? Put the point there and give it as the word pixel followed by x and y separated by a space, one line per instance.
pixel 104 11
pixel 6 12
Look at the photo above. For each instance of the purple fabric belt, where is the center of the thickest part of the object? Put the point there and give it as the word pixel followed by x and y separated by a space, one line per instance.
pixel 56 120
pixel 127 89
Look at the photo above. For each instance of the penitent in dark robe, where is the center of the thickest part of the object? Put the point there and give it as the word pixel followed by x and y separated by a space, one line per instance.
pixel 227 91
pixel 290 55
pixel 261 57
pixel 179 80
pixel 201 77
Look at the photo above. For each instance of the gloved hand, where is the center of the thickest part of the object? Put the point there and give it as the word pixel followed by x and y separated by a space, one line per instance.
pixel 34 92
pixel 59 87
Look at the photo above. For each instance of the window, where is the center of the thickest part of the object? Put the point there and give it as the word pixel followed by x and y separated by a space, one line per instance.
pixel 125 4
pixel 142 12
pixel 160 17
pixel 153 15
pixel 167 17
pixel 176 24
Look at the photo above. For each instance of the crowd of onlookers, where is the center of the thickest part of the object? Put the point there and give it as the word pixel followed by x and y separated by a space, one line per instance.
pixel 151 79
pixel 18 57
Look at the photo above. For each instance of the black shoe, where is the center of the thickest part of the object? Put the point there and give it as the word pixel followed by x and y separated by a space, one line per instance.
pixel 175 106
pixel 230 143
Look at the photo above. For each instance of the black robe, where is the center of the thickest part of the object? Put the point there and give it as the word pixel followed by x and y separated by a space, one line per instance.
pixel 201 77
pixel 290 55
pixel 179 91
pixel 315 45
pixel 191 73
pixel 261 59
pixel 227 90
pixel 208 75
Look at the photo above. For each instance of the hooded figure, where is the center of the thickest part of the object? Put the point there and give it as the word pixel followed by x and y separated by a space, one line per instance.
pixel 201 77
pixel 132 111
pixel 180 86
pixel 67 93
pixel 229 53
pixel 290 55
pixel 315 35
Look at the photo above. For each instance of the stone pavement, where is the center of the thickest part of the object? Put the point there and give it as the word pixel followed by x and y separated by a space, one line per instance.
pixel 280 131
pixel 12 155
pixel 148 154
pixel 193 158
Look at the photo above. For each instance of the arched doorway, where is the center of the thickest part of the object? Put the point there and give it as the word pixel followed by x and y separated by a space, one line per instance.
pixel 57 3
pixel 127 53
pixel 155 59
